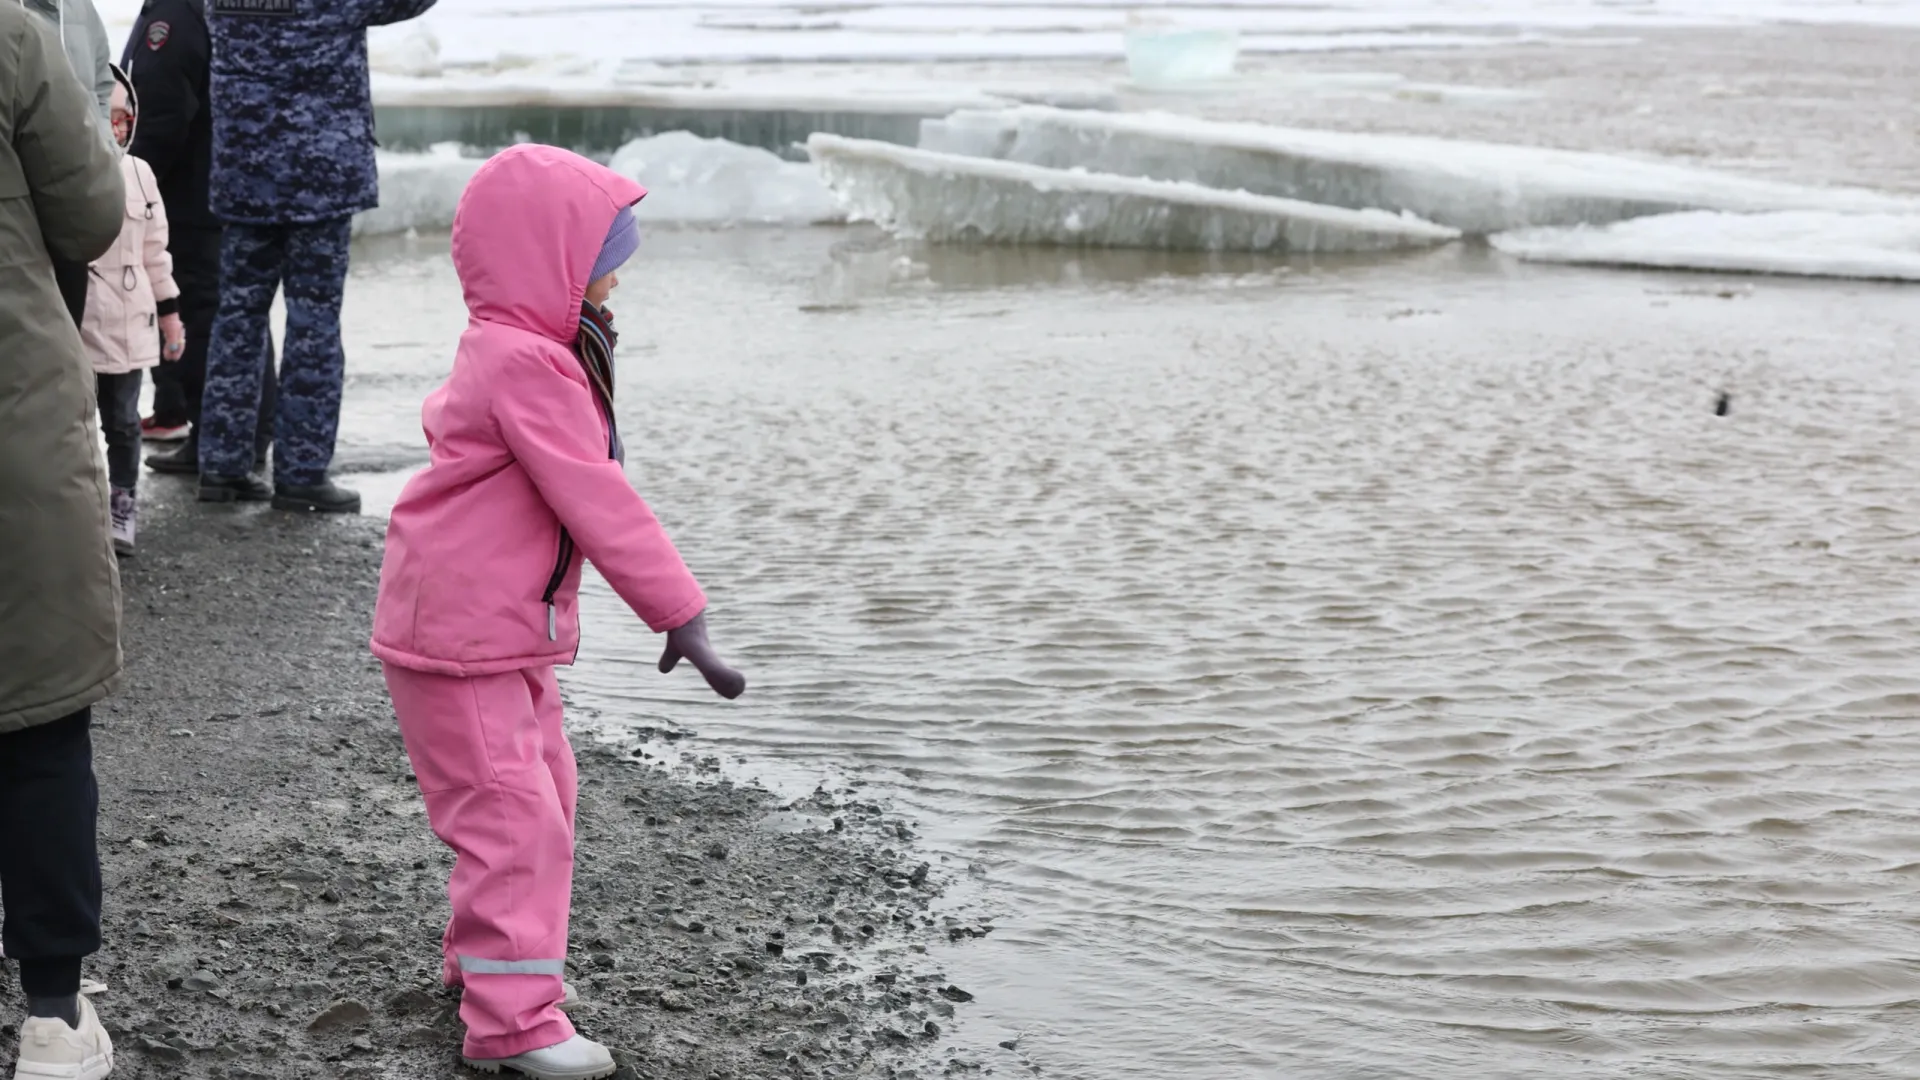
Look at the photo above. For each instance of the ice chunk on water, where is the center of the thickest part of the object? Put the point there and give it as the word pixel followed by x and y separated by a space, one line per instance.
pixel 691 179
pixel 1475 187
pixel 1807 243
pixel 414 50
pixel 1169 57
pixel 946 197
pixel 417 191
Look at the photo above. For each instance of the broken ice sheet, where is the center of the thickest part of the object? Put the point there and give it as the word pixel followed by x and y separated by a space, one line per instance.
pixel 691 180
pixel 920 194
pixel 1478 188
pixel 1806 243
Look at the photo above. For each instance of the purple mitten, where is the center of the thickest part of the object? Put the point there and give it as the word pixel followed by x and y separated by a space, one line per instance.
pixel 690 641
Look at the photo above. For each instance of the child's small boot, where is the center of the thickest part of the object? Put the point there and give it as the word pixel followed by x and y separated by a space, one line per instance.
pixel 126 520
pixel 579 1058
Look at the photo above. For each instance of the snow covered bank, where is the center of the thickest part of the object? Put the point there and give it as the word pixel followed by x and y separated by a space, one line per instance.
pixel 1802 243
pixel 946 197
pixel 690 180
pixel 1477 188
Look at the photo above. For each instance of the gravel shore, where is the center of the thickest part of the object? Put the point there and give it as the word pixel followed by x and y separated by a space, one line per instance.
pixel 275 899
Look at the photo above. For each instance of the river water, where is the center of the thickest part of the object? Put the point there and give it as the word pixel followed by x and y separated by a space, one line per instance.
pixel 1353 669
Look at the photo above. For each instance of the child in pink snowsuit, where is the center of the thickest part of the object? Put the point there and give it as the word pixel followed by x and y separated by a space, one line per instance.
pixel 479 588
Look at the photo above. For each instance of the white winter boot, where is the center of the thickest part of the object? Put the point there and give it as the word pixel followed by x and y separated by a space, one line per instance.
pixel 50 1050
pixel 126 520
pixel 579 1058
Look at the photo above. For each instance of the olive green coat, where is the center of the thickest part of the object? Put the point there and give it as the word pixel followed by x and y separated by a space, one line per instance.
pixel 60 193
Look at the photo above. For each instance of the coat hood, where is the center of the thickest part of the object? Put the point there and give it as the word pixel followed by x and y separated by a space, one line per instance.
pixel 57 11
pixel 124 97
pixel 526 233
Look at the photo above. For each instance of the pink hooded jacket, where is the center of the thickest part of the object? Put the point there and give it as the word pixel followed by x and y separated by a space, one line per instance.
pixel 482 568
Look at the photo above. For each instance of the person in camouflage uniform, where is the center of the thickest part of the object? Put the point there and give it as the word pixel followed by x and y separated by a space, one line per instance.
pixel 169 56
pixel 292 163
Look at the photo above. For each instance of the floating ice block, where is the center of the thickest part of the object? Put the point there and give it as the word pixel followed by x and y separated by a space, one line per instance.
pixel 1171 58
pixel 1807 243
pixel 691 180
pixel 922 194
pixel 713 181
pixel 1478 188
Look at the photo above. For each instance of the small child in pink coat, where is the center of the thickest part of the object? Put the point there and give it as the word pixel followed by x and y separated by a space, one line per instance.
pixel 480 586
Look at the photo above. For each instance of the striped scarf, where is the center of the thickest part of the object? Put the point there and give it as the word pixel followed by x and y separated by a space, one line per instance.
pixel 594 346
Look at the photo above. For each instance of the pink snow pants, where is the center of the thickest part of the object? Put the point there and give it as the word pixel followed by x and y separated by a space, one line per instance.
pixel 500 784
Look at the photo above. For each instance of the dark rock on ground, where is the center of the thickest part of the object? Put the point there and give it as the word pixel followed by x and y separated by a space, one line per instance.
pixel 340 1014
pixel 411 1003
pixel 160 1051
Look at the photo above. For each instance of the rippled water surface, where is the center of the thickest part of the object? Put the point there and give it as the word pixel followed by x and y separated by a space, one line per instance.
pixel 1362 670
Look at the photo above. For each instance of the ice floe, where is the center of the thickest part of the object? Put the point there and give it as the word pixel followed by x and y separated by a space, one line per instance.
pixel 417 191
pixel 712 181
pixel 690 181
pixel 1478 188
pixel 1807 243
pixel 949 197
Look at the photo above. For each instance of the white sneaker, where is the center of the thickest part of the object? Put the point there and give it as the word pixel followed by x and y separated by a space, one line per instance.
pixel 50 1050
pixel 579 1058
pixel 126 518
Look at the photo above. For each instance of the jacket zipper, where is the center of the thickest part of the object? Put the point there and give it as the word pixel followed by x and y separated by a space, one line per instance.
pixel 553 583
pixel 566 539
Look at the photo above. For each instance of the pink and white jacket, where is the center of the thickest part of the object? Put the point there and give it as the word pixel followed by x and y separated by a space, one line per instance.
pixel 483 557
pixel 125 286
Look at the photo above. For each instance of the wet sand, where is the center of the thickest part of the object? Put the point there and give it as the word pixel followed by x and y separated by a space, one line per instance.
pixel 274 899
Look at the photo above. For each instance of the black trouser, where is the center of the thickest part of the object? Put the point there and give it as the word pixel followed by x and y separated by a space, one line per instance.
pixel 72 279
pixel 196 269
pixel 178 386
pixel 169 396
pixel 49 864
pixel 119 399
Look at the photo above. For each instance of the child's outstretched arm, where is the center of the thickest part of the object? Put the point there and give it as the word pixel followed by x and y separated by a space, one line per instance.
pixel 553 426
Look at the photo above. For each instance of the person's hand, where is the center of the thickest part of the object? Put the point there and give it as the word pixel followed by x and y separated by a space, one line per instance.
pixel 173 337
pixel 690 641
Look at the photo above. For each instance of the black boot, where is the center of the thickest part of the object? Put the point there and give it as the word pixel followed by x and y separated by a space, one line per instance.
pixel 221 489
pixel 325 497
pixel 182 460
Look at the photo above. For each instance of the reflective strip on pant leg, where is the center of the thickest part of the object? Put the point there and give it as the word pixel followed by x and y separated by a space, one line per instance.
pixel 473 965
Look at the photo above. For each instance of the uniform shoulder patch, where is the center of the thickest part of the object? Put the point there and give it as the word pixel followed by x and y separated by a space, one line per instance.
pixel 275 8
pixel 157 34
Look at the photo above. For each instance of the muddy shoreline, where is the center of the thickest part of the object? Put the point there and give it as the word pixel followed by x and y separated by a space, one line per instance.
pixel 274 899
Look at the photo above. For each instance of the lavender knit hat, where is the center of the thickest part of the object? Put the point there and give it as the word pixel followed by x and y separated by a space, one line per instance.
pixel 623 239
